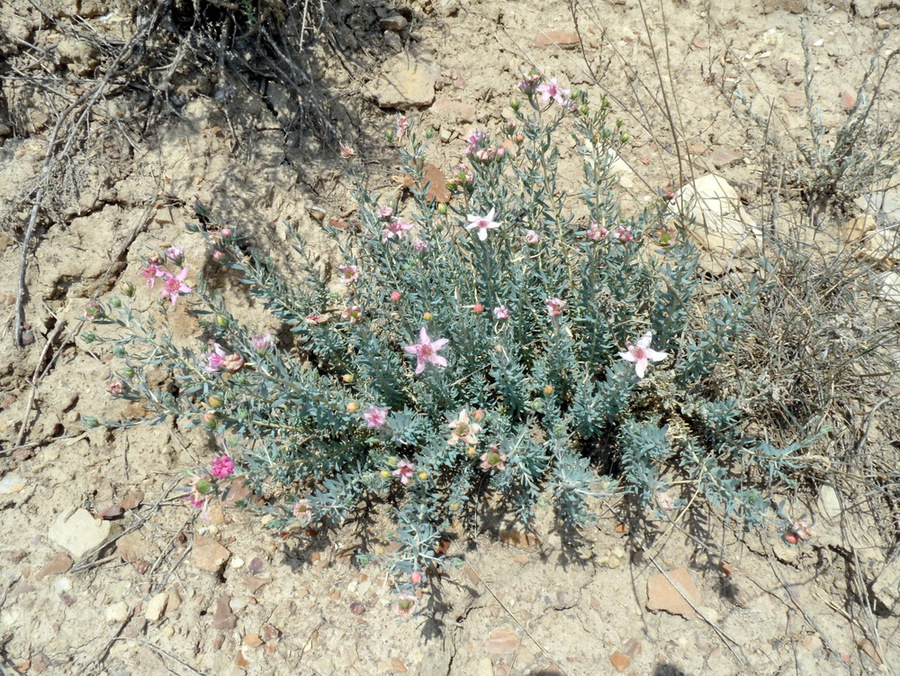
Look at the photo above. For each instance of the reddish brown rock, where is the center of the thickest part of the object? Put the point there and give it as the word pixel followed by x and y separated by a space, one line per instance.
pixel 209 555
pixel 58 564
pixel 224 618
pixel 252 640
pixel 662 595
pixel 794 99
pixel 564 39
pixel 620 661
pixel 723 156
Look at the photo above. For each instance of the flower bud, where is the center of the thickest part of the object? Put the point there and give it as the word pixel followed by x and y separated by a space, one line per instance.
pixel 115 301
pixel 423 476
pixel 352 407
pixel 90 422
pixel 416 577
pixel 88 337
pixel 515 104
pixel 215 400
pixel 442 208
pixel 384 474
pixel 348 378
pixel 479 415
pixel 548 390
pixel 454 506
pixel 427 316
pixel 429 133
pixel 226 232
pixel 222 321
pixel 395 296
pixel 537 404
pixel 625 137
pixel 128 289
pixel 209 421
pixel 478 308
pixel 218 255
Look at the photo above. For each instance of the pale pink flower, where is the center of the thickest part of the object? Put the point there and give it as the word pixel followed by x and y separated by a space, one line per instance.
pixel 416 577
pixel 426 351
pixel 493 458
pixel 641 354
pixel 462 429
pixel 346 151
pixel 665 500
pixel 482 224
pixel 302 511
pixel 501 312
pixel 531 237
pixel 465 174
pixel 394 229
pixel 221 467
pixel 420 246
pixel 175 254
pixel 485 154
pixel 624 234
pixel 116 388
pixel 352 313
pixel 218 255
pixel 597 232
pixel 402 125
pixel 803 529
pixel 529 84
pixel 375 417
pixel 151 272
pixel 215 358
pixel 552 90
pixel 347 274
pixel 405 470
pixel 233 363
pixel 395 296
pixel 555 306
pixel 175 285
pixel 262 344
pixel 405 606
pixel 313 318
pixel 385 212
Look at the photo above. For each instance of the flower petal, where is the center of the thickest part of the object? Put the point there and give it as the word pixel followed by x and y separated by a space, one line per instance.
pixel 645 340
pixel 627 356
pixel 438 360
pixel 439 343
pixel 654 355
pixel 423 337
pixel 640 367
pixel 482 234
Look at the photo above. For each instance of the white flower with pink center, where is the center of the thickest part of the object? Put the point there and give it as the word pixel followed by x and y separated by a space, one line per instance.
pixel 347 274
pixel 482 224
pixel 501 312
pixel 405 471
pixel 375 417
pixel 555 306
pixel 641 354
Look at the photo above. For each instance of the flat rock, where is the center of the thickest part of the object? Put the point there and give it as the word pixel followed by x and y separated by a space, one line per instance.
pixel 132 547
pixel 711 210
pixel 224 618
pixel 557 38
pixel 55 566
pixel 79 533
pixel 501 642
pixel 11 483
pixel 454 111
pixel 662 594
pixel 209 555
pixel 794 99
pixel 116 613
pixel 829 502
pixel 723 156
pixel 405 83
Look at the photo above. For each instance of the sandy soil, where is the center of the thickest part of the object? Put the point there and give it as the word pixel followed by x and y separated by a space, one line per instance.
pixel 157 596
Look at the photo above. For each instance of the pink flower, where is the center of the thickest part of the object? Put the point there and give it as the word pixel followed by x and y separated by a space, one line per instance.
pixel 312 319
pixel 463 430
pixel 552 90
pixel 385 213
pixel 218 255
pixel 221 467
pixel 465 174
pixel 347 274
pixel 375 417
pixel 641 354
pixel 501 312
pixel 529 84
pixel 395 296
pixel 394 229
pixel 426 351
pixel 420 246
pixel 624 234
pixel 531 237
pixel 402 125
pixel 352 313
pixel 346 151
pixel 215 358
pixel 175 254
pixel 116 388
pixel 405 470
pixel 405 606
pixel 597 232
pixel 151 272
pixel 485 154
pixel 262 344
pixel 555 306
pixel 175 285
pixel 482 224
pixel 226 232
pixel 415 577
pixel 302 511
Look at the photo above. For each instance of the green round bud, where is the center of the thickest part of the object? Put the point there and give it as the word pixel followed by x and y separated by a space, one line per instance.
pixel 128 289
pixel 515 104
pixel 88 337
pixel 442 209
pixel 537 404
pixel 115 301
pixel 90 422
pixel 429 133
pixel 222 321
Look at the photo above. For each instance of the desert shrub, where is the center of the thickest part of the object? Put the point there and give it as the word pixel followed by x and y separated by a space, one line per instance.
pixel 494 347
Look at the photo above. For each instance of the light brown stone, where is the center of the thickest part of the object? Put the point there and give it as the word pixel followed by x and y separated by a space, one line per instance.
pixel 558 38
pixel 209 555
pixel 501 642
pixel 663 595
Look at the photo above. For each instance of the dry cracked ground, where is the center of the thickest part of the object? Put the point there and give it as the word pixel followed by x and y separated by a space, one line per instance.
pixel 104 568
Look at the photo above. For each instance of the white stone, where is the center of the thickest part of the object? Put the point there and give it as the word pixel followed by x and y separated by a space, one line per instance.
pixel 117 612
pixel 156 607
pixel 79 533
pixel 11 483
pixel 710 208
pixel 829 501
